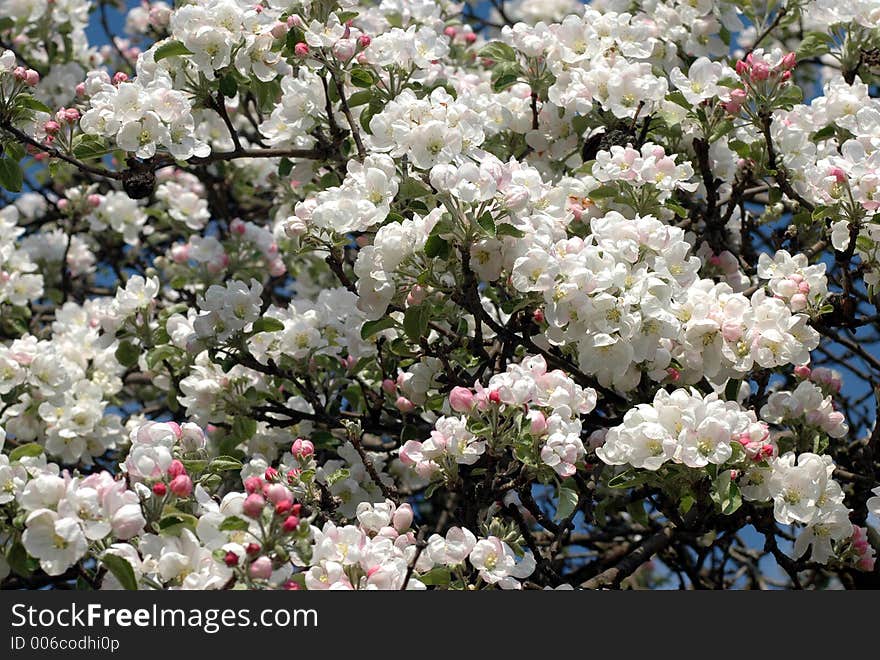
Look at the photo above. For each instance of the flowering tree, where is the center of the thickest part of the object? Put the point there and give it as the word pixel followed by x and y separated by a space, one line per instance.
pixel 413 294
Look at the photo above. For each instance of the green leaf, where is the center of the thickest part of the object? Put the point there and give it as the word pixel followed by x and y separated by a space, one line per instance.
pixel 411 188
pixel 506 229
pixel 224 463
pixel 285 167
pixel 678 98
pixel 360 98
pixel 244 428
pixel 721 130
pixel 29 102
pixel 339 475
pixel 497 51
pixel 361 77
pixel 505 75
pixel 638 513
pixel 731 390
pixel 726 494
pixel 170 48
pixel 160 354
pixel 567 499
pixel 11 176
pixel 173 524
pixel 89 146
pixel 628 479
pixel 415 322
pixel 439 576
pixel 814 44
pixel 234 524
pixel 604 192
pixel 267 324
pixel 19 561
pixel 790 96
pixel 228 86
pixel 194 465
pixel 29 450
pixel 824 133
pixel 370 328
pixel 437 247
pixel 127 354
pixel 487 223
pixel 121 570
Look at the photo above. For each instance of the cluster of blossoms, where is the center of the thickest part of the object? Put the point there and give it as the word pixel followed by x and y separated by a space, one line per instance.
pixel 684 427
pixel 793 279
pixel 378 551
pixel 544 405
pixel 65 514
pixel 648 166
pixel 630 299
pixel 58 390
pixel 19 284
pixel 807 405
pixel 687 428
pixel 142 116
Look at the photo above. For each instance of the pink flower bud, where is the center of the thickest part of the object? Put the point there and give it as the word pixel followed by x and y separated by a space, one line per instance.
pixel 51 127
pixel 71 114
pixel 279 30
pixel 290 524
pixel 449 31
pixel 538 316
pixel 302 449
pixel 253 505
pixel 237 226
pixel 416 295
pixel 271 474
pixel 759 72
pixel 120 77
pixel 389 386
pixel 741 67
pixel 494 397
pixel 63 204
pixel 19 73
pixel 283 508
pixel 278 493
pixel 31 78
pixel 344 49
pixel 798 302
pixel 176 469
pixel 404 405
pixel 277 268
pixel 80 89
pixel 160 489
pixel 180 253
pixel 252 549
pixel 402 518
pixel 789 61
pixel 182 485
pixel 261 569
pixel 537 423
pixel 301 49
pixel 838 174
pixel 461 399
pixel 673 373
pixel 231 559
pixel 364 40
pixel 802 371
